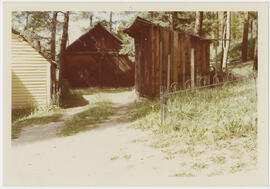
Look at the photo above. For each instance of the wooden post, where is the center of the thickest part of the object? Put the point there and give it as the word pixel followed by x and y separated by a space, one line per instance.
pixel 175 58
pixel 161 81
pixel 183 63
pixel 169 73
pixel 160 64
pixel 192 68
pixel 161 105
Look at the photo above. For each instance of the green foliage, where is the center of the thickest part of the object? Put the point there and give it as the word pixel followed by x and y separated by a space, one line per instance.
pixel 86 120
pixel 236 49
pixel 208 115
pixel 36 26
pixel 128 42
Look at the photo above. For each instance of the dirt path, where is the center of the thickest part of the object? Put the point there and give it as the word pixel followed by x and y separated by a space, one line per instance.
pixel 50 130
pixel 112 150
pixel 111 154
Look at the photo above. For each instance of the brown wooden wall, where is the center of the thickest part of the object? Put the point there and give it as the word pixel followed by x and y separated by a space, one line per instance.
pixel 90 70
pixel 148 55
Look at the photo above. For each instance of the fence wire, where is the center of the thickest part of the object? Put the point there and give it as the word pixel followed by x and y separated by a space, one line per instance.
pixel 165 94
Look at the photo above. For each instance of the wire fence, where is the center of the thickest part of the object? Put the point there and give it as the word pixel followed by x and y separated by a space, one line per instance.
pixel 167 93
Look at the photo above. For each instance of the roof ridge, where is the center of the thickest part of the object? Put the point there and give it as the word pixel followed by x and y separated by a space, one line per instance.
pixel 138 18
pixel 102 26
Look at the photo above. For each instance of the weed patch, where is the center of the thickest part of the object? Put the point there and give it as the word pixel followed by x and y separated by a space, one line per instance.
pixel 86 120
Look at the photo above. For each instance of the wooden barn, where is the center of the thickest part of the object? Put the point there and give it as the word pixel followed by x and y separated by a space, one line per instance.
pixel 31 74
pixel 94 60
pixel 164 57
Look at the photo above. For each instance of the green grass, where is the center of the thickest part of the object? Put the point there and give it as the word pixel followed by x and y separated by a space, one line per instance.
pixel 183 174
pixel 218 159
pixel 96 112
pixel 21 112
pixel 34 118
pixel 96 90
pixel 209 114
pixel 204 115
pixel 217 126
pixel 139 110
pixel 114 157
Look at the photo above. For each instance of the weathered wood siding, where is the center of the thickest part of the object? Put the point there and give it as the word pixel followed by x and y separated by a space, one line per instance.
pixel 94 60
pixel 30 75
pixel 178 45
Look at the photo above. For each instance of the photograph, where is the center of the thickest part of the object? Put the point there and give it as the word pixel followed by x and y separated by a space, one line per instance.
pixel 100 97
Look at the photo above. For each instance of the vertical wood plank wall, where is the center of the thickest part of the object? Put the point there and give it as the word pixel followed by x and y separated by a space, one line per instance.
pixel 178 45
pixel 30 75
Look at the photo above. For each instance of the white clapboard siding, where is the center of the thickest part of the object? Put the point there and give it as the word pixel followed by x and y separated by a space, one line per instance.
pixel 30 75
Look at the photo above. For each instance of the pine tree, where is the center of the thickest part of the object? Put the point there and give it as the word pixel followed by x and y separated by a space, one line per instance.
pixel 62 50
pixel 198 23
pixel 226 40
pixel 245 38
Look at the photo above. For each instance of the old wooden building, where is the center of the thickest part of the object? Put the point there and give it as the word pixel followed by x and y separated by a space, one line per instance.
pixel 164 57
pixel 94 60
pixel 31 74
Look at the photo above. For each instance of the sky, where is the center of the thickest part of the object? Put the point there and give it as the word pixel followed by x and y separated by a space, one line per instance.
pixel 75 26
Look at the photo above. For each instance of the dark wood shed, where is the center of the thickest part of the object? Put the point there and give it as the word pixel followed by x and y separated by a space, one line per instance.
pixel 94 60
pixel 160 50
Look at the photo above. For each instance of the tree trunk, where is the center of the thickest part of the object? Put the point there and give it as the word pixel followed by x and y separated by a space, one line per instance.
pixel 223 37
pixel 111 21
pixel 226 43
pixel 198 23
pixel 62 49
pixel 255 64
pixel 245 38
pixel 91 20
pixel 173 20
pixel 54 22
pixel 53 66
pixel 251 29
pixel 217 42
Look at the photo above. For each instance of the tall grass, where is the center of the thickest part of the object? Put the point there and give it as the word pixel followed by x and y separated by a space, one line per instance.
pixel 208 114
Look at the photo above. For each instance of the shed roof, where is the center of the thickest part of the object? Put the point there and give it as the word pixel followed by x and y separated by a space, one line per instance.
pixel 86 36
pixel 140 25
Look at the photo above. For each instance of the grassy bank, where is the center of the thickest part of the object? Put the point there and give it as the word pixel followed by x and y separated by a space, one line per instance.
pixel 208 114
pixel 212 130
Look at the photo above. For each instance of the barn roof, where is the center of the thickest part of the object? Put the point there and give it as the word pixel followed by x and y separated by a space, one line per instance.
pixel 86 37
pixel 140 25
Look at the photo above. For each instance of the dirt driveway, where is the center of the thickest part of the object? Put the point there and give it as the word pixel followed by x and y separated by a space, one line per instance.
pixel 111 154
